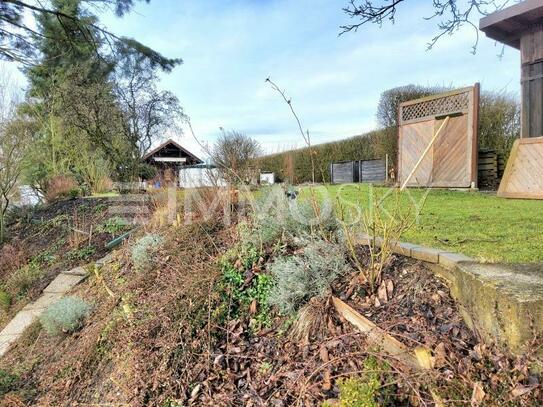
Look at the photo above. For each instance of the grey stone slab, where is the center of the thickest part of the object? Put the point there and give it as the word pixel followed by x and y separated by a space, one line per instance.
pixel 44 301
pixel 5 342
pixel 20 322
pixel 78 271
pixel 504 302
pixel 450 260
pixel 425 254
pixel 63 283
pixel 403 248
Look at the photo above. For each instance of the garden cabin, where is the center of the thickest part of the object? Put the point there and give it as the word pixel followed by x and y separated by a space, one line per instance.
pixel 168 159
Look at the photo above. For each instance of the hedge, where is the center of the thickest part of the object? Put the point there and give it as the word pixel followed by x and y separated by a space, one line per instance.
pixel 294 166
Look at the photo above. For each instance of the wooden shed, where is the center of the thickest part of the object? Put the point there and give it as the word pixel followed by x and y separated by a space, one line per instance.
pixel 521 26
pixel 168 158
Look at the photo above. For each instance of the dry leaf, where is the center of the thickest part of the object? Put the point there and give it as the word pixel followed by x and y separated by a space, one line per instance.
pixel 520 390
pixel 424 357
pixel 440 355
pixel 382 293
pixel 323 352
pixel 252 308
pixel 478 394
pixel 327 381
pixel 390 288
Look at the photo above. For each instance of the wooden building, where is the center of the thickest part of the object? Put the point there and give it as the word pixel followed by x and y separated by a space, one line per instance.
pixel 168 159
pixel 521 26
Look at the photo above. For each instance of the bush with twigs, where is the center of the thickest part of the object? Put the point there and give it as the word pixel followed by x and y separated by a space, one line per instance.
pixel 144 249
pixel 65 316
pixel 299 278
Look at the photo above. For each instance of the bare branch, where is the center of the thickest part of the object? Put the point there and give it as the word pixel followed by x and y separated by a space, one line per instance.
pixel 453 14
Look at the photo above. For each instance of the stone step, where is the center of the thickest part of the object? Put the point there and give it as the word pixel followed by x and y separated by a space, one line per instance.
pixel 63 283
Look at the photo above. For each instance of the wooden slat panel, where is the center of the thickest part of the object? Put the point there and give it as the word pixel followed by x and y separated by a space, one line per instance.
pixel 523 177
pixel 451 166
pixel 452 160
pixel 372 171
pixel 413 140
pixel 342 172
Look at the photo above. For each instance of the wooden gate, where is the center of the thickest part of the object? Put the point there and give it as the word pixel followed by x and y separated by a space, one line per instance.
pixel 451 161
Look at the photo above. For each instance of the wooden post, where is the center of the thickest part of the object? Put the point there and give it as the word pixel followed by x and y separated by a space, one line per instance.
pixel 386 167
pixel 430 144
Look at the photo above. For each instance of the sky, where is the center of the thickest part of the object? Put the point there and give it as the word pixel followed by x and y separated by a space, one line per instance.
pixel 229 48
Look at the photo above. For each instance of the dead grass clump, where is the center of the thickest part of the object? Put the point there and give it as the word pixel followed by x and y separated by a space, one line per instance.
pixel 214 203
pixel 12 257
pixel 312 320
pixel 61 186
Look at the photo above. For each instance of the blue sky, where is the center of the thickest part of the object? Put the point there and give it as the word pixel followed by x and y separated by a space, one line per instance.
pixel 229 47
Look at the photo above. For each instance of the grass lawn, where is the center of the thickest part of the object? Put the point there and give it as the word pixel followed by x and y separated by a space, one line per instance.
pixel 479 225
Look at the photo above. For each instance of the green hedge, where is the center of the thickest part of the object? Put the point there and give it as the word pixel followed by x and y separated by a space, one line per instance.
pixel 295 165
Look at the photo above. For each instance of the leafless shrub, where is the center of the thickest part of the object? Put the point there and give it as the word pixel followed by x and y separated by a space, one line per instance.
pixel 61 186
pixel 384 222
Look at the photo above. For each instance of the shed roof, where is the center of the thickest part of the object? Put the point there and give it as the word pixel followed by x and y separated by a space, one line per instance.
pixel 507 25
pixel 151 153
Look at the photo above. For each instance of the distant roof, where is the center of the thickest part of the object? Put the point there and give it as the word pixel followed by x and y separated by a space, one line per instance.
pixel 507 25
pixel 177 145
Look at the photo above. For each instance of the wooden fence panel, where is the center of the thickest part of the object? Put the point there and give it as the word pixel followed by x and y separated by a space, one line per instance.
pixel 373 171
pixel 413 140
pixel 451 162
pixel 342 172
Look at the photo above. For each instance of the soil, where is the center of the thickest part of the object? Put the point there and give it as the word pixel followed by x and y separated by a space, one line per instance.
pixel 413 305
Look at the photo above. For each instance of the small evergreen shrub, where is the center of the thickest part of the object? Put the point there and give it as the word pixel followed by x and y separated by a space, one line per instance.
pixel 19 282
pixel 144 249
pixel 82 253
pixel 365 390
pixel 299 278
pixel 113 225
pixel 8 382
pixel 65 316
pixel 5 300
pixel 241 294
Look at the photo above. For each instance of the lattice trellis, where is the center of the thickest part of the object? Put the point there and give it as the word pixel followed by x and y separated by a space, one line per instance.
pixel 436 107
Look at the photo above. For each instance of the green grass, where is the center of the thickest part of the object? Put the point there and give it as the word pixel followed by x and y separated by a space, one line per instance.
pixel 479 225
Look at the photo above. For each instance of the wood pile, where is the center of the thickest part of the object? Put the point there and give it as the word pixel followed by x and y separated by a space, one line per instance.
pixel 491 166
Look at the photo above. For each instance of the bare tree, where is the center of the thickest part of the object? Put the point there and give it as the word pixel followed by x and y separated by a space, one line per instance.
pixel 148 113
pixel 452 14
pixel 233 154
pixel 12 147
